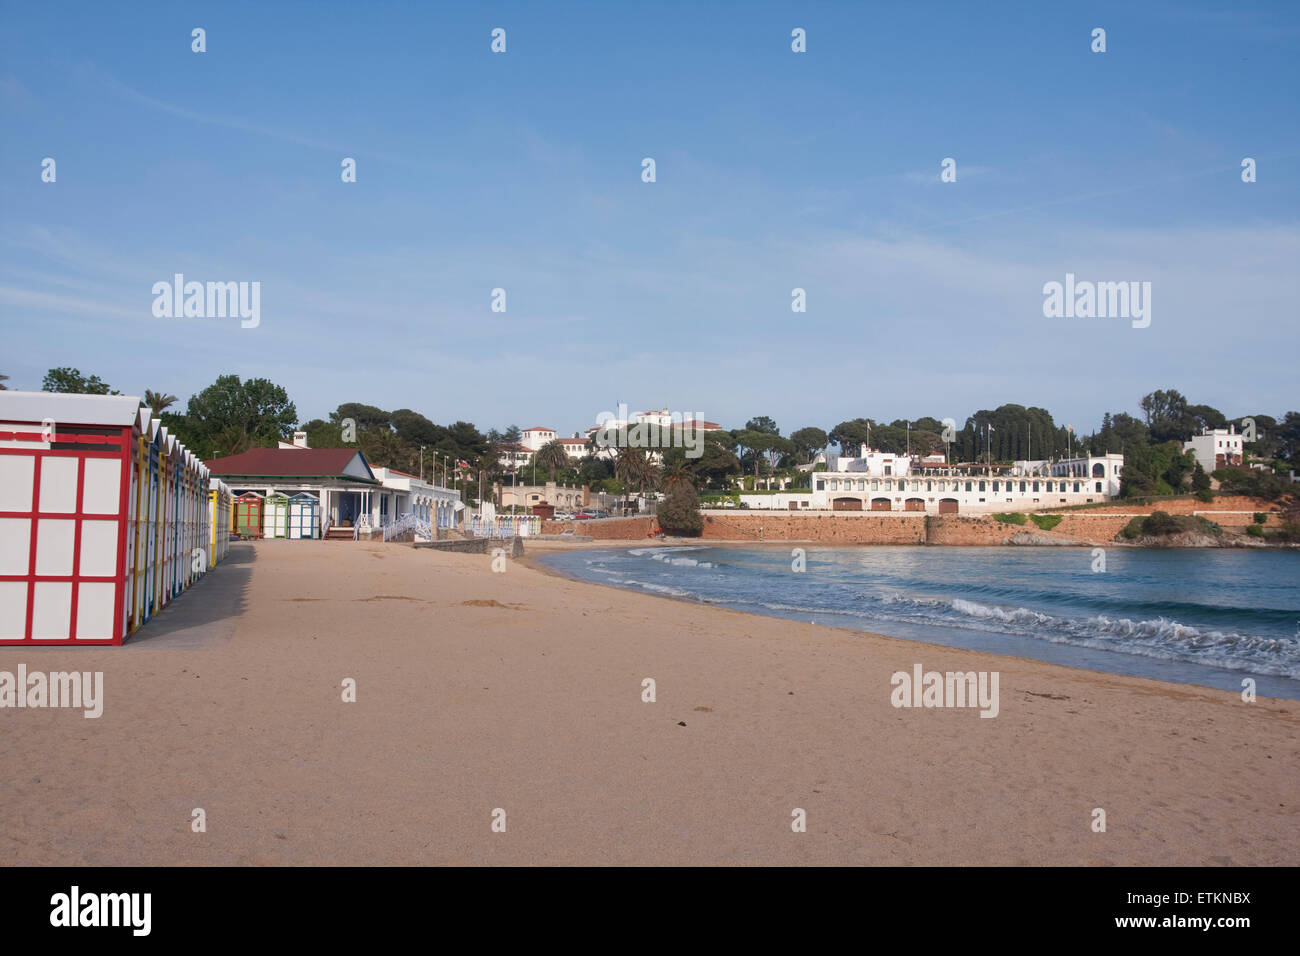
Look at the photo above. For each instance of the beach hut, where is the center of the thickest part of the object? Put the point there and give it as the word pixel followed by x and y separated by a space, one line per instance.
pixel 220 503
pixel 98 510
pixel 303 522
pixel 144 556
pixel 275 516
pixel 248 515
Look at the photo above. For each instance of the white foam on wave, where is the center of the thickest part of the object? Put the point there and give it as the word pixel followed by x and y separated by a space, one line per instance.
pixel 661 589
pixel 1018 615
pixel 1160 638
pixel 655 552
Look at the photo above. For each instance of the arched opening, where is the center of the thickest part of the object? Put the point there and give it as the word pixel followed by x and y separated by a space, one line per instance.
pixel 914 504
pixel 1099 470
pixel 880 504
pixel 846 504
pixel 947 506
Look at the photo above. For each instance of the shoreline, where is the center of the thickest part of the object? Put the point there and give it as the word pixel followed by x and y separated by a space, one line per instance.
pixel 534 562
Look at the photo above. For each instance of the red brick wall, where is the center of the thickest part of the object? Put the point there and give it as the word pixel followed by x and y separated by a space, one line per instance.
pixel 858 528
pixel 972 530
pixel 1100 524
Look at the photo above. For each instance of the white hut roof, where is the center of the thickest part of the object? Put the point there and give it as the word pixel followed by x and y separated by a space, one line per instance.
pixel 68 408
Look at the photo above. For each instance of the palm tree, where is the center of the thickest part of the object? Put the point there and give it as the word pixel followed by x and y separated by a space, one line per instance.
pixel 678 472
pixel 551 456
pixel 636 468
pixel 157 401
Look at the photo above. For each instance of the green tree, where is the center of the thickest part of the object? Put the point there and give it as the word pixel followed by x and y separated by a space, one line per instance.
pixel 1167 415
pixel 70 380
pixel 1288 433
pixel 679 512
pixel 849 435
pixel 157 402
pixel 808 442
pixel 323 434
pixel 416 429
pixel 1136 477
pixel 551 456
pixel 229 417
pixel 363 416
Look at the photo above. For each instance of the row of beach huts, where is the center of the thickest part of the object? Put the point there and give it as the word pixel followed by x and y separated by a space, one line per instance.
pixel 105 518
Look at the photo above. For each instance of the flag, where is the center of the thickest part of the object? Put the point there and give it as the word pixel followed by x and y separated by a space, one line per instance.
pixel 992 429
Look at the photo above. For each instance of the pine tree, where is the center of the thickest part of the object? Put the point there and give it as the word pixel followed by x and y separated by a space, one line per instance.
pixel 679 512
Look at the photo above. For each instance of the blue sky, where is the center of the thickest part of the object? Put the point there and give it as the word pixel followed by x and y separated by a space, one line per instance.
pixel 775 170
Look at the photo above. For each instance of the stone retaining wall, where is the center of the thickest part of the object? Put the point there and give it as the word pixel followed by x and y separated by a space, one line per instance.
pixel 513 546
pixel 1098 525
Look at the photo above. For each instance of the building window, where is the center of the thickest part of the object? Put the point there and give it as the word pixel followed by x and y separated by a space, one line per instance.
pixel 982 488
pixel 1036 484
pixel 1022 487
pixel 875 484
pixel 1076 486
pixel 969 486
pixel 821 484
pixel 1099 486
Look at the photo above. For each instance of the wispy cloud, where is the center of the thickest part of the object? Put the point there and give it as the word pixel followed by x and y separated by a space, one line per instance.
pixel 106 80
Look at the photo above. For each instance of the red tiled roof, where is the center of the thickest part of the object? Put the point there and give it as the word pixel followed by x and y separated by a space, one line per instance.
pixel 539 428
pixel 286 462
pixel 572 441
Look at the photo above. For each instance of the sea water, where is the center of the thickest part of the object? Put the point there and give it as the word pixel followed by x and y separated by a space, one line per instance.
pixel 1198 616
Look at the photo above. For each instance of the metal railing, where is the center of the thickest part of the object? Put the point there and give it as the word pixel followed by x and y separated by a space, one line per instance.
pixel 406 522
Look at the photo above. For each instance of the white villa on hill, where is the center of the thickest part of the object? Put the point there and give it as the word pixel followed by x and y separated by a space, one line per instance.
pixel 1216 448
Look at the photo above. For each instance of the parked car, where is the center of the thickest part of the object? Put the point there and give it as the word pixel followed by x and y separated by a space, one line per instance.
pixel 581 516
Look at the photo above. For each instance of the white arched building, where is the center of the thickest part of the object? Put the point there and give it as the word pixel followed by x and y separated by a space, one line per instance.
pixel 883 481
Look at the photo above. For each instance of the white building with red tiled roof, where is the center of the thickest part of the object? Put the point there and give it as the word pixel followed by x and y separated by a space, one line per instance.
pixel 537 436
pixel 575 447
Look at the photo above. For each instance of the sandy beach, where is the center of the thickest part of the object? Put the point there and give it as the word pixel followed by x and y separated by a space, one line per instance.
pixel 523 691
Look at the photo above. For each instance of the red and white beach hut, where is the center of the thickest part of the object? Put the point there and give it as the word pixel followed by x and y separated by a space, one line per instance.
pixel 100 511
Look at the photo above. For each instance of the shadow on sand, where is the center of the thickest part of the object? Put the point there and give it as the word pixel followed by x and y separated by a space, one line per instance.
pixel 205 614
